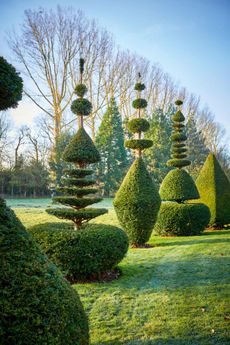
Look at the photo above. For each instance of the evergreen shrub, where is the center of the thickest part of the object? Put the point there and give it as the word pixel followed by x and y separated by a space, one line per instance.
pixel 181 219
pixel 83 254
pixel 38 305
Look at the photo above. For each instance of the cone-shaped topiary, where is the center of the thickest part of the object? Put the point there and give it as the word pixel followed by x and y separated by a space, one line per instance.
pixel 214 189
pixel 38 304
pixel 81 151
pixel 137 201
pixel 177 217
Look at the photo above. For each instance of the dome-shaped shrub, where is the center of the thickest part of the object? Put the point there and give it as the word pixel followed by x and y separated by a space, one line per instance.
pixel 181 219
pixel 178 186
pixel 38 304
pixel 11 85
pixel 87 253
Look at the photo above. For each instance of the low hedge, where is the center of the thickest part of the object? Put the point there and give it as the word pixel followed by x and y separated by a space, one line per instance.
pixel 182 219
pixel 83 254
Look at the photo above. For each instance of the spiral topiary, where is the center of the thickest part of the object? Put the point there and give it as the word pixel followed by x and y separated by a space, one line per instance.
pixel 176 217
pixel 137 201
pixel 77 186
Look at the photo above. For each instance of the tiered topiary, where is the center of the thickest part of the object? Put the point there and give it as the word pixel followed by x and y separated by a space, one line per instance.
pixel 179 217
pixel 11 85
pixel 214 188
pixel 94 249
pixel 137 201
pixel 38 306
pixel 81 151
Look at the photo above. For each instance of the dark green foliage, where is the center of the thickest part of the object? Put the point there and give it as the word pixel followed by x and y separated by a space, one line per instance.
pixel 82 254
pixel 78 216
pixel 178 102
pixel 178 163
pixel 214 189
pixel 78 172
pixel 178 117
pixel 178 137
pixel 77 191
pixel 181 219
pixel 81 149
pixel 38 306
pixel 11 85
pixel 81 65
pixel 178 186
pixel 136 144
pixel 139 87
pixel 75 201
pixel 138 125
pixel 81 106
pixel 139 103
pixel 80 90
pixel 110 143
pixel 137 203
pixel 80 182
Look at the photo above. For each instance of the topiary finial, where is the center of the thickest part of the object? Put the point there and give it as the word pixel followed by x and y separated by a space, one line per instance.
pixel 138 124
pixel 81 106
pixel 178 137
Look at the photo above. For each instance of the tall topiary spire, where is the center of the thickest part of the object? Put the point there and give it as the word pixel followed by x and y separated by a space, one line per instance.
pixel 81 151
pixel 137 201
pixel 178 137
pixel 178 217
pixel 178 185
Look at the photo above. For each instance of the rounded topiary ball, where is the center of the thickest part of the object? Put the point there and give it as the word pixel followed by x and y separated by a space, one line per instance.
pixel 138 125
pixel 179 186
pixel 181 219
pixel 140 103
pixel 11 86
pixel 139 87
pixel 83 254
pixel 81 106
pixel 39 306
pixel 80 90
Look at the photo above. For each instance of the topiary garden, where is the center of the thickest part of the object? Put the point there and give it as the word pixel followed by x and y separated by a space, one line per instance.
pixel 214 189
pixel 178 216
pixel 137 201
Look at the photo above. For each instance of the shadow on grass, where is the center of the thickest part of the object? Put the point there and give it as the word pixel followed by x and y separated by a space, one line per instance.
pixel 195 241
pixel 208 340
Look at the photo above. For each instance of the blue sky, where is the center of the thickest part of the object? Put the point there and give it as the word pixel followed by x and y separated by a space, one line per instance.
pixel 190 39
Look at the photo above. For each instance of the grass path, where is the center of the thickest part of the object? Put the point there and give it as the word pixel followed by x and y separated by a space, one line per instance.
pixel 177 293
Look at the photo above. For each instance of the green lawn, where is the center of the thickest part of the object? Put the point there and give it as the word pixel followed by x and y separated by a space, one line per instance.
pixel 177 293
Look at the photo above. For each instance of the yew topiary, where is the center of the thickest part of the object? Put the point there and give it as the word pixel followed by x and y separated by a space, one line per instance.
pixel 77 186
pixel 38 306
pixel 214 188
pixel 11 85
pixel 137 201
pixel 178 217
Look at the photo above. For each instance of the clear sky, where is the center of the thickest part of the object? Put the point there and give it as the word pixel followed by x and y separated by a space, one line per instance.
pixel 190 39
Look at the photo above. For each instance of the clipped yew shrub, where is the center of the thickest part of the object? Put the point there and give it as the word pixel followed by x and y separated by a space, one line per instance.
pixel 182 219
pixel 214 189
pixel 178 216
pixel 137 201
pixel 38 306
pixel 84 254
pixel 11 85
